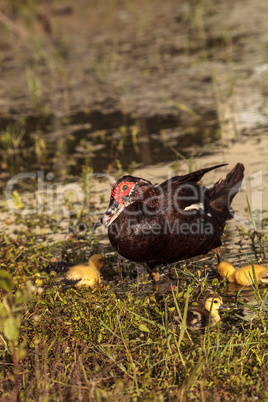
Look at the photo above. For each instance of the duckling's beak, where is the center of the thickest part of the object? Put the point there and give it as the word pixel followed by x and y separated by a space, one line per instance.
pixel 223 307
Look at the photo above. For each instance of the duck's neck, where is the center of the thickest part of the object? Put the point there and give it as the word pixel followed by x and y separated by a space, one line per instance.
pixel 227 269
pixel 150 199
pixel 92 265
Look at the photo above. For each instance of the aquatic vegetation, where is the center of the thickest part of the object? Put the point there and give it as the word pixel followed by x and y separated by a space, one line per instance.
pixel 107 342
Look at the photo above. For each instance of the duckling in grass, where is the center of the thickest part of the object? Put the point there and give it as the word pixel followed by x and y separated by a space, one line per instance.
pixel 86 274
pixel 198 317
pixel 243 276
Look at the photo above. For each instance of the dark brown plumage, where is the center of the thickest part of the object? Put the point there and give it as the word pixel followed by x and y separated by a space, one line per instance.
pixel 175 220
pixel 59 266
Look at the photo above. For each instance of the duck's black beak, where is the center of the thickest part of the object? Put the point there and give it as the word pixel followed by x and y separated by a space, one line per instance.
pixel 113 211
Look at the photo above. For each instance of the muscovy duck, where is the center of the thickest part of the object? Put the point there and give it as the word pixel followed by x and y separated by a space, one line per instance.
pixel 244 275
pixel 85 274
pixel 175 220
pixel 198 317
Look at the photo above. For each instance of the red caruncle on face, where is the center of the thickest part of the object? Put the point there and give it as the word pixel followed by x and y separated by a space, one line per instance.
pixel 121 190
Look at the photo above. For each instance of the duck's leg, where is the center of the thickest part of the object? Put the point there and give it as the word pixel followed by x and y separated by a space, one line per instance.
pixel 217 251
pixel 154 271
pixel 155 275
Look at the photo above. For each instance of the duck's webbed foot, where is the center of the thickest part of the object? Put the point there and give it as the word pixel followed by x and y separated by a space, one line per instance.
pixel 154 271
pixel 217 251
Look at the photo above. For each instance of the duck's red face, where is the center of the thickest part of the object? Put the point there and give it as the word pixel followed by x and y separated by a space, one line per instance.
pixel 121 190
pixel 124 192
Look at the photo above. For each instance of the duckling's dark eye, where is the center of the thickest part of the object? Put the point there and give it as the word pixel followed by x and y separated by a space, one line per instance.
pixel 125 187
pixel 215 301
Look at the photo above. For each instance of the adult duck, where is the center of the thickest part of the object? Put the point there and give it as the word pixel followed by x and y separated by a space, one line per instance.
pixel 175 220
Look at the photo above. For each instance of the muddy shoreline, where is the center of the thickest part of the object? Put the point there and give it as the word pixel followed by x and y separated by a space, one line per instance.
pixel 132 85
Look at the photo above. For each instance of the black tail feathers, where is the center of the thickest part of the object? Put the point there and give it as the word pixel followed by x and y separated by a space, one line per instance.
pixel 223 192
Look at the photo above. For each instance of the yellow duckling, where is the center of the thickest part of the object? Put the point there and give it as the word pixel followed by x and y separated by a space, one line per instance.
pixel 244 275
pixel 198 318
pixel 86 274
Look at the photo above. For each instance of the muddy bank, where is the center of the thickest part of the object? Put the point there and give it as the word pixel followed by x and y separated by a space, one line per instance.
pixel 174 74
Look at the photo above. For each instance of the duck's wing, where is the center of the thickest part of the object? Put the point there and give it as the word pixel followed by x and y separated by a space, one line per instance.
pixel 197 318
pixel 66 283
pixel 192 177
pixel 245 274
pixel 60 266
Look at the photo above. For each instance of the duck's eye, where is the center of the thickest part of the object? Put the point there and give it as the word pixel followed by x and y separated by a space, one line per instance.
pixel 125 187
pixel 215 301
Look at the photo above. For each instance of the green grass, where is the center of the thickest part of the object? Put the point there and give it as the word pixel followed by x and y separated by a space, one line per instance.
pixel 109 343
pixel 105 344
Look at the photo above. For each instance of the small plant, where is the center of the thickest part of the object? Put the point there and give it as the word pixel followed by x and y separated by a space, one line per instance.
pixel 40 149
pixel 11 310
pixel 35 86
pixel 12 143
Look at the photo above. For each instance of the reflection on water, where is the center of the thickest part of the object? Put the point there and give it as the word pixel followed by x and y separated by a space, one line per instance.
pixel 104 142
